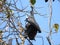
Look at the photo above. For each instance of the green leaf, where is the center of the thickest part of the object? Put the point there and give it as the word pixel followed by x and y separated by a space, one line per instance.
pixel 10 10
pixel 0 0
pixel 9 13
pixel 8 16
pixel 32 2
pixel 56 26
pixel 0 31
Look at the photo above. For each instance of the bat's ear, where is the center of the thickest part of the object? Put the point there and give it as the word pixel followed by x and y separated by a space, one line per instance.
pixel 26 19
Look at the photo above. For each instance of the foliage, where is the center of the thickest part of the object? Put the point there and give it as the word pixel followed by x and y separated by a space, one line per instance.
pixel 14 24
pixel 32 2
pixel 56 27
pixel 0 31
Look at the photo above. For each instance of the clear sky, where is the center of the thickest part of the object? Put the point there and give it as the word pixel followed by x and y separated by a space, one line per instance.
pixel 43 20
pixel 42 8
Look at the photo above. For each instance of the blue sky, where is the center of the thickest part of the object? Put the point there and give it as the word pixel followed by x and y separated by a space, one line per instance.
pixel 42 20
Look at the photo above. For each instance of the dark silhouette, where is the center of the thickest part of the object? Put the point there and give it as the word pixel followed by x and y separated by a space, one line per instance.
pixel 47 0
pixel 31 29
